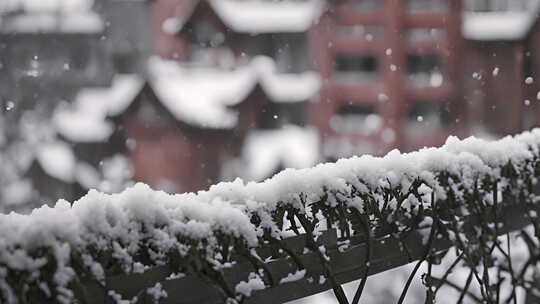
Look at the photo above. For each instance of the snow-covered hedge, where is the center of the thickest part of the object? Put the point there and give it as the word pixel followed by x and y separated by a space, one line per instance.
pixel 46 256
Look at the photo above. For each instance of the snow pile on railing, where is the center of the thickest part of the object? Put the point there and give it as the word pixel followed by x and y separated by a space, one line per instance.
pixel 49 253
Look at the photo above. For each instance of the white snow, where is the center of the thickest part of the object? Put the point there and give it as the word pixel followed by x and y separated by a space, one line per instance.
pixel 17 192
pixel 118 97
pixel 87 175
pixel 46 5
pixel 57 160
pixel 466 158
pixel 292 277
pixel 73 16
pixel 85 120
pixel 77 127
pixel 196 95
pixel 202 95
pixel 254 283
pixel 283 87
pixel 75 22
pixel 260 16
pixel 115 222
pixel 117 173
pixel 293 147
pixel 157 292
pixel 87 22
pixel 171 26
pixel 499 25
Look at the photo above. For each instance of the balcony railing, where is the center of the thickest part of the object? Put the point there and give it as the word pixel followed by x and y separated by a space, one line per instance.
pixel 299 233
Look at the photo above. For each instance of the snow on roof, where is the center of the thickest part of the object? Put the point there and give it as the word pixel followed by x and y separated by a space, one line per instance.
pixel 292 147
pixel 57 160
pixel 285 87
pixel 45 5
pixel 18 192
pixel 87 175
pixel 85 120
pixel 259 16
pixel 500 25
pixel 196 95
pixel 201 95
pixel 73 16
pixel 74 22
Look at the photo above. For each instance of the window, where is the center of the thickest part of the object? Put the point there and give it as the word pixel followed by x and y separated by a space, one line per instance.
pixel 424 71
pixel 419 34
pixel 367 32
pixel 367 5
pixel 80 57
pixel 428 114
pixel 290 52
pixel 207 45
pixel 361 119
pixel 277 115
pixel 356 68
pixel 497 5
pixel 427 5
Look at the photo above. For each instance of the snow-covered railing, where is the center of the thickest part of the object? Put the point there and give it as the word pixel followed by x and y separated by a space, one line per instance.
pixel 298 233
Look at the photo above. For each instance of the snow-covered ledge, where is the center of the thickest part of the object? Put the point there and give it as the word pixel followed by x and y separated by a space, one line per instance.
pixel 500 25
pixel 48 253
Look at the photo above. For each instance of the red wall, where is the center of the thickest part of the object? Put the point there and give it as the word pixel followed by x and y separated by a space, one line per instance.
pixel 396 20
pixel 185 156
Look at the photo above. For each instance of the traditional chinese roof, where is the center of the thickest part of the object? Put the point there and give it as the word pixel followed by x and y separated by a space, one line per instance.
pixel 257 16
pixel 198 96
pixel 201 96
pixel 85 120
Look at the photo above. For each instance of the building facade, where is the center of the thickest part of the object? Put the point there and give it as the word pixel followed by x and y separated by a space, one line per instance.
pixel 388 67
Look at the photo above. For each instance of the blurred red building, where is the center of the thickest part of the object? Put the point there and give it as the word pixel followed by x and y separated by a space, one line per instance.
pixel 394 73
pixel 389 68
pixel 245 88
